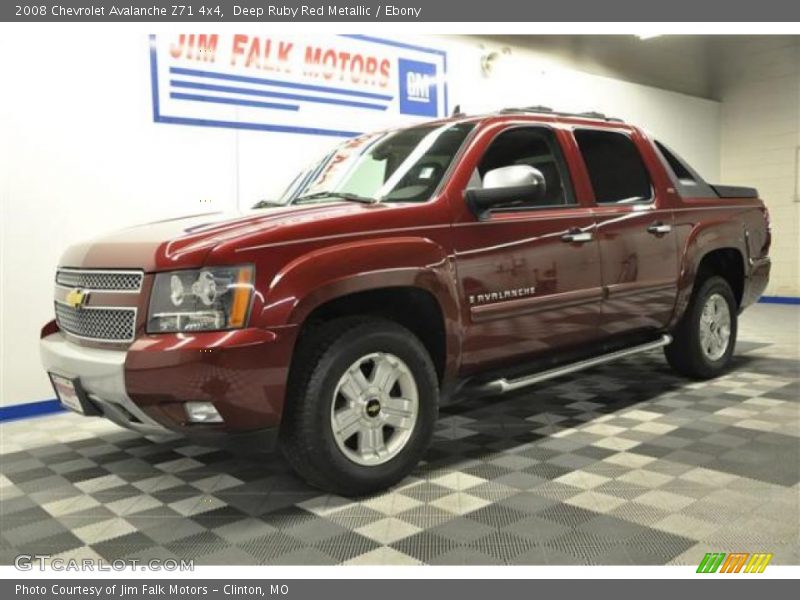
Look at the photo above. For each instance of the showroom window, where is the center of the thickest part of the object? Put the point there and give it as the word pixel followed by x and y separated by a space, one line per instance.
pixel 615 167
pixel 534 146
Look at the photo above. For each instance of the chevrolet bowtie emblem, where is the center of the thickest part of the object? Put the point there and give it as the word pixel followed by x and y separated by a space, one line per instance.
pixel 77 298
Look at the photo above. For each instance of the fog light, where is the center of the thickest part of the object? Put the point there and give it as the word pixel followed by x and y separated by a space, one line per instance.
pixel 202 412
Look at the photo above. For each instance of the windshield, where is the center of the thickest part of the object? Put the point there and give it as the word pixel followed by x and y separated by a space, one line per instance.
pixel 404 165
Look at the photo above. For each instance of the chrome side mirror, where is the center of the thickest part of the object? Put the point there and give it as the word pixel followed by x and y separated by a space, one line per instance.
pixel 506 186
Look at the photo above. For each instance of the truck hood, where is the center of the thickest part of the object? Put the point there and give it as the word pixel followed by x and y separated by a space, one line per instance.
pixel 185 242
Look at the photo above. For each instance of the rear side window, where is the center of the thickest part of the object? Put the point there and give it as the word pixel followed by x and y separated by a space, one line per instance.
pixel 615 167
pixel 688 181
pixel 678 168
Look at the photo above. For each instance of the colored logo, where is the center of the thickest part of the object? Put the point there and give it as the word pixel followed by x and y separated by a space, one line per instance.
pixel 77 298
pixel 332 85
pixel 735 562
pixel 418 89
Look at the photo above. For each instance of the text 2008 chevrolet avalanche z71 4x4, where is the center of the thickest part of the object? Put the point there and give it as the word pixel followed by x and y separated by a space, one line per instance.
pixel 404 270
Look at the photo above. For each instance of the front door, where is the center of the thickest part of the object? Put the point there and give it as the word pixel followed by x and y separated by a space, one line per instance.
pixel 529 272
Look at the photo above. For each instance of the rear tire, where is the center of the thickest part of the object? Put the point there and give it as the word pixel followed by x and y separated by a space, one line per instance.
pixel 362 404
pixel 705 338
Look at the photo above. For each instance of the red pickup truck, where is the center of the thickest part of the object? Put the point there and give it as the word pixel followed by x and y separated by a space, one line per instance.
pixel 404 270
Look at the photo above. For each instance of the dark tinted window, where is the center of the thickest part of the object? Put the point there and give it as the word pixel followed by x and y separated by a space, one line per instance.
pixel 688 181
pixel 615 166
pixel 532 146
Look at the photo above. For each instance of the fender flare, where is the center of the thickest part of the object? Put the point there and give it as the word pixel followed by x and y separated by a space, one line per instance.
pixel 325 274
pixel 705 238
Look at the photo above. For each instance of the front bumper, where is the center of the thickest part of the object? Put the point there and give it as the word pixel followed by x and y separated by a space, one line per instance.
pixel 144 387
pixel 102 376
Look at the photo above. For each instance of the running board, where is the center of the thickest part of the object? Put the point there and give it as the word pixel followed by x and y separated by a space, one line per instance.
pixel 501 386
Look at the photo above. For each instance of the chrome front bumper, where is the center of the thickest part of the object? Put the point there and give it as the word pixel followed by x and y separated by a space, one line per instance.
pixel 102 376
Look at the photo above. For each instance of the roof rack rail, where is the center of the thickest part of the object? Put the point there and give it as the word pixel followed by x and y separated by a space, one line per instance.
pixel 547 110
pixel 533 109
pixel 591 114
pixel 539 108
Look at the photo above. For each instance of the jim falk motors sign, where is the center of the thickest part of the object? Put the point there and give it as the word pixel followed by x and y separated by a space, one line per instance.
pixel 333 86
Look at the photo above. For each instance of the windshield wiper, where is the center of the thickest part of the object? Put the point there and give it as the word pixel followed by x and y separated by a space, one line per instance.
pixel 341 195
pixel 267 204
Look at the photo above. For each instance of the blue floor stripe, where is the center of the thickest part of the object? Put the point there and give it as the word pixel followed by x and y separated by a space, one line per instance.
pixel 779 300
pixel 16 412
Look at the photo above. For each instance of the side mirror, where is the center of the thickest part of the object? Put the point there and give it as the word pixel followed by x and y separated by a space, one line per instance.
pixel 506 186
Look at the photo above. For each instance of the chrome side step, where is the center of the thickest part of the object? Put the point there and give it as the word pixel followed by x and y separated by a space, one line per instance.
pixel 501 386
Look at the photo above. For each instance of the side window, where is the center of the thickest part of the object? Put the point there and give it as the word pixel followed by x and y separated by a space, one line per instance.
pixel 678 168
pixel 534 146
pixel 615 167
pixel 688 181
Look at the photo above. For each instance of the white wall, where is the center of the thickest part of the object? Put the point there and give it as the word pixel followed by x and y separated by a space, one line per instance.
pixel 80 154
pixel 527 77
pixel 760 91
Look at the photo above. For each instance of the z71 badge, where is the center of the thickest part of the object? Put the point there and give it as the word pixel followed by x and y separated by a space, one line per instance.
pixel 502 295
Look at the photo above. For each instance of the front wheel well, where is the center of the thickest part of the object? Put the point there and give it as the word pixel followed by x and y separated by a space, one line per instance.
pixel 414 308
pixel 726 263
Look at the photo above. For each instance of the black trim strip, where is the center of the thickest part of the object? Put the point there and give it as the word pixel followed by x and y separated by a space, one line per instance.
pixel 734 191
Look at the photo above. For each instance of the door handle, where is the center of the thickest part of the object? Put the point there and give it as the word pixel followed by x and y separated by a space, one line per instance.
pixel 577 236
pixel 659 228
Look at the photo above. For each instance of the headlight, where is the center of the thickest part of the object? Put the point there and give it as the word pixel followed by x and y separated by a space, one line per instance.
pixel 200 300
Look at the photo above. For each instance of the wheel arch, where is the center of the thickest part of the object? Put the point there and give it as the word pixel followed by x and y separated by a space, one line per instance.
pixel 409 280
pixel 716 249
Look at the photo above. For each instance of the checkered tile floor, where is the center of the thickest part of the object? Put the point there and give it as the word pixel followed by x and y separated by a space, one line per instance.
pixel 626 464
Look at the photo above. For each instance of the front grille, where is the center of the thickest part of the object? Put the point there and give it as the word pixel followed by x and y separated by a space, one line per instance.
pixel 119 281
pixel 105 324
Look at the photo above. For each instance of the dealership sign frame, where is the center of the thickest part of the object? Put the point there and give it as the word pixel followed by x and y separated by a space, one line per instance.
pixel 288 84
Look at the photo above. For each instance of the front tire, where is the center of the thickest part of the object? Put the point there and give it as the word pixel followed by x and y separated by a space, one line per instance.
pixel 706 336
pixel 363 400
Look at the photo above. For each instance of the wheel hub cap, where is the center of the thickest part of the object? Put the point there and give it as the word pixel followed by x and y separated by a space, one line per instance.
pixel 715 327
pixel 375 408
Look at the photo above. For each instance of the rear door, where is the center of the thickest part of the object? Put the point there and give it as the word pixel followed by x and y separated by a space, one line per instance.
pixel 634 230
pixel 529 273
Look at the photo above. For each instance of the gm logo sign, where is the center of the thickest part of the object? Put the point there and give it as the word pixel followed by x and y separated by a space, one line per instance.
pixel 418 88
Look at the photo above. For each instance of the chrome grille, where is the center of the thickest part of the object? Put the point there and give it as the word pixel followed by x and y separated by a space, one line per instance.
pixel 103 324
pixel 118 281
